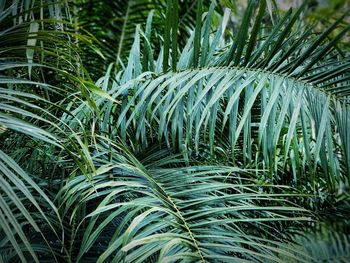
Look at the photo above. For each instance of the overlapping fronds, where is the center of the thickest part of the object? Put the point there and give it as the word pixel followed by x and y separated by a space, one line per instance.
pixel 114 30
pixel 151 213
pixel 230 141
pixel 271 99
pixel 23 205
pixel 325 247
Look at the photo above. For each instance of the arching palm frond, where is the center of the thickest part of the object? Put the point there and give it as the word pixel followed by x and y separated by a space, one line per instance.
pixel 273 100
pixel 195 213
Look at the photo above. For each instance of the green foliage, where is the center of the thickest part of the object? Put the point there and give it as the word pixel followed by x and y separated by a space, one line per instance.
pixel 198 213
pixel 200 146
pixel 325 247
pixel 113 23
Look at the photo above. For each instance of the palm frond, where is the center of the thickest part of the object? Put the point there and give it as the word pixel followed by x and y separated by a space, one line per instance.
pixel 23 214
pixel 197 213
pixel 274 103
pixel 233 137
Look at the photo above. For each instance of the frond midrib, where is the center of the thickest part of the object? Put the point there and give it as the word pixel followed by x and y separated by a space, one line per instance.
pixel 177 211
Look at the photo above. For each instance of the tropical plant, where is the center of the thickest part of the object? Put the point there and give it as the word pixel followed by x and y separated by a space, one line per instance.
pixel 222 145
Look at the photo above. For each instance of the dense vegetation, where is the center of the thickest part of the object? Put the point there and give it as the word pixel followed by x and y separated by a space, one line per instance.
pixel 173 131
